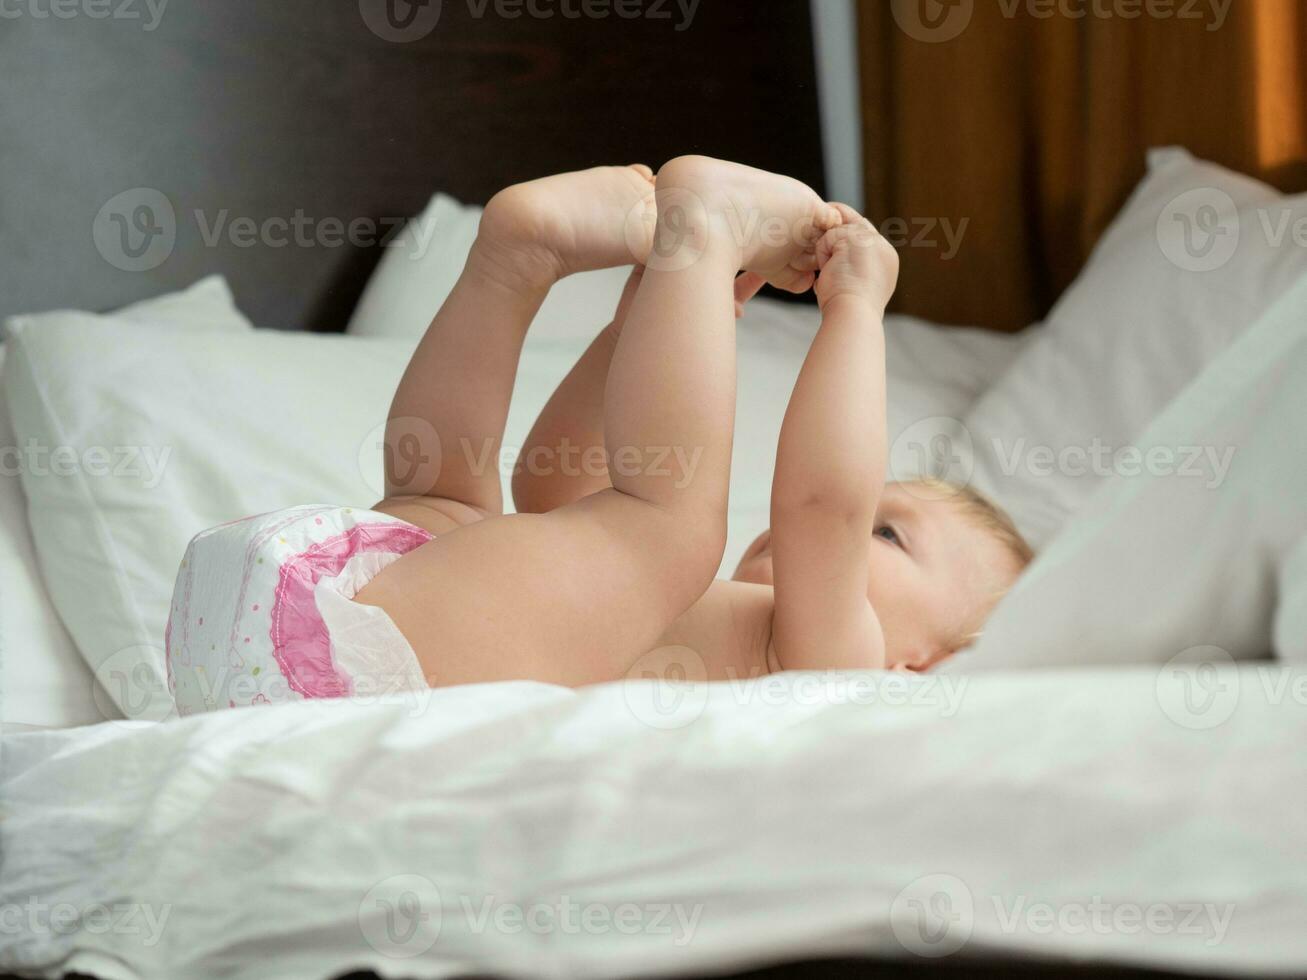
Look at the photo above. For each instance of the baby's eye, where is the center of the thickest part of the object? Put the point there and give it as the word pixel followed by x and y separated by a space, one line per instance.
pixel 889 534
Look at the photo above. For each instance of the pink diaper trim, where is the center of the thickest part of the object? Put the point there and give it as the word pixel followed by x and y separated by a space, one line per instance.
pixel 300 641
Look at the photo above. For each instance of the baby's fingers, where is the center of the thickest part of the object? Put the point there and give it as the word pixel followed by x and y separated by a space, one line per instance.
pixel 805 262
pixel 858 235
pixel 829 242
pixel 849 215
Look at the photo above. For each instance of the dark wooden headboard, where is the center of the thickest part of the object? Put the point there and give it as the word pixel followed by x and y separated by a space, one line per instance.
pixel 287 135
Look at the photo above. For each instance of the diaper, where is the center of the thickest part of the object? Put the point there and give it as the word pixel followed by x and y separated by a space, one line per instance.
pixel 263 611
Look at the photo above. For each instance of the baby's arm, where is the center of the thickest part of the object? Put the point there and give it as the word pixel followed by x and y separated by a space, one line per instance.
pixel 564 457
pixel 830 464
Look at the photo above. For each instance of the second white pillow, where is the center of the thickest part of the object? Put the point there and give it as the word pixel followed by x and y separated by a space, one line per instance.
pixel 1195 257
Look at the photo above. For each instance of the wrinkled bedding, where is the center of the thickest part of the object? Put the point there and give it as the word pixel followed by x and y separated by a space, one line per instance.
pixel 1134 815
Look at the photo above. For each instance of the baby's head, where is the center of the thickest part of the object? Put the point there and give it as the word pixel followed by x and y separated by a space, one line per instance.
pixel 941 557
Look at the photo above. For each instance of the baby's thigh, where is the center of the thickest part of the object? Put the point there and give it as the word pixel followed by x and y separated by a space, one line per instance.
pixel 550 597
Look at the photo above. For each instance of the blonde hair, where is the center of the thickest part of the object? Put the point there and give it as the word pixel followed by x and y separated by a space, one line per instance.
pixel 988 516
pixel 984 513
pixel 993 518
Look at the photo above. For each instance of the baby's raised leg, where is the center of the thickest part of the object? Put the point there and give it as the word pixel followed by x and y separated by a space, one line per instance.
pixel 564 458
pixel 671 384
pixel 447 419
pixel 577 595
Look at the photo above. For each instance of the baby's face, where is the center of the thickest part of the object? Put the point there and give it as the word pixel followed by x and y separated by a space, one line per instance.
pixel 934 574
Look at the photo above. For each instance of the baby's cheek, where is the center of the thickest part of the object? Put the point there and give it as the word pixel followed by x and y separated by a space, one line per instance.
pixel 894 586
pixel 880 563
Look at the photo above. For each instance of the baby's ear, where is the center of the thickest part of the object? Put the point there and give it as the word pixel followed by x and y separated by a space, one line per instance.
pixel 918 661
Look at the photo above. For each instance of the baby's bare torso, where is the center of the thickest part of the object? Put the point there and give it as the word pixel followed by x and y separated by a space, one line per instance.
pixel 729 629
pixel 725 635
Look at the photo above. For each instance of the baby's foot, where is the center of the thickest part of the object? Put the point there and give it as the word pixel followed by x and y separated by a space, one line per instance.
pixel 552 227
pixel 773 221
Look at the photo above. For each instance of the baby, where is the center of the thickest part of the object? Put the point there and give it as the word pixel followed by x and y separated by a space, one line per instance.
pixel 604 567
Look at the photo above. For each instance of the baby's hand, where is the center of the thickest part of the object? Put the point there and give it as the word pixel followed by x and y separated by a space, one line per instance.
pixel 855 259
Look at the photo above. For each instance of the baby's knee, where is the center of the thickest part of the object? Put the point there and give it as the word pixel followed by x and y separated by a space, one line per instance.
pixel 678 546
pixel 699 544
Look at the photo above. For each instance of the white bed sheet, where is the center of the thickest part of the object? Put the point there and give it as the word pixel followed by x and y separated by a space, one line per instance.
pixel 802 815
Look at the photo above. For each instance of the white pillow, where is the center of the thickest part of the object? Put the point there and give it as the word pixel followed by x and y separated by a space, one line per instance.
pixel 420 268
pixel 1197 567
pixel 206 305
pixel 43 680
pixel 1148 312
pixel 224 423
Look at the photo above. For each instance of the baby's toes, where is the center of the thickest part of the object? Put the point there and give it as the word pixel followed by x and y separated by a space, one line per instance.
pixel 805 261
pixel 818 223
pixel 793 280
pixel 847 215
